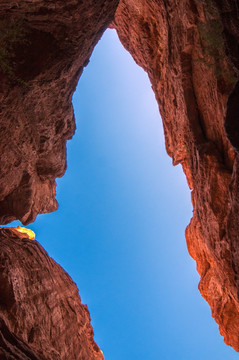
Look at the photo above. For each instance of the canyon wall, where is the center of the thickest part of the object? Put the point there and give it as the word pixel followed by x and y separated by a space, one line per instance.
pixel 41 315
pixel 190 50
pixel 44 48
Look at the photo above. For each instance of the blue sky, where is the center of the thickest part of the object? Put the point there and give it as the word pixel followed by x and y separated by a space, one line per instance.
pixel 124 209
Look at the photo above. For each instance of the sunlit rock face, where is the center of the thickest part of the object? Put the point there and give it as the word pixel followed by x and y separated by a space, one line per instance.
pixel 44 46
pixel 41 315
pixel 190 50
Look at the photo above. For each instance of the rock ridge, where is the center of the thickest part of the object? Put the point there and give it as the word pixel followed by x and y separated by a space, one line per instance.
pixel 41 314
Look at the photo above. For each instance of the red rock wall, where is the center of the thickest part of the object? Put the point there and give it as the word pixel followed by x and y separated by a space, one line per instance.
pixel 41 315
pixel 44 47
pixel 190 52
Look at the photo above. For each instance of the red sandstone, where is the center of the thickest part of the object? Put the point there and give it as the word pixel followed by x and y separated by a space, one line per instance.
pixel 190 50
pixel 41 315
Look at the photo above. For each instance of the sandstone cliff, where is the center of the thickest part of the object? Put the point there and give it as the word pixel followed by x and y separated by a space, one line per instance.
pixel 44 47
pixel 190 50
pixel 41 315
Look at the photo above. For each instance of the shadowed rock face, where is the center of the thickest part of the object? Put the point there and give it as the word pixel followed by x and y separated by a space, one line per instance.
pixel 12 347
pixel 41 315
pixel 231 120
pixel 190 50
pixel 44 47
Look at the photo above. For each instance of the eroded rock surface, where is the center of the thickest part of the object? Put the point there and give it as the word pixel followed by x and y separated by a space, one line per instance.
pixel 41 314
pixel 44 46
pixel 190 50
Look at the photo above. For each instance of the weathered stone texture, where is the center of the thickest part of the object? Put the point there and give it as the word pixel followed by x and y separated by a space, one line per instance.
pixel 190 50
pixel 41 315
pixel 44 47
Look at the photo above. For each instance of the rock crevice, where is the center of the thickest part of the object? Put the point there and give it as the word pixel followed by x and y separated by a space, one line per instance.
pixel 190 50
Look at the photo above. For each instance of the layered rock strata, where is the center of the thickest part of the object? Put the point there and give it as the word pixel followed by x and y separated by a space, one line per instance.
pixel 41 314
pixel 190 50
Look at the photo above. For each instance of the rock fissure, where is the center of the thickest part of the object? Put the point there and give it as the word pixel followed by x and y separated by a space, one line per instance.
pixel 190 50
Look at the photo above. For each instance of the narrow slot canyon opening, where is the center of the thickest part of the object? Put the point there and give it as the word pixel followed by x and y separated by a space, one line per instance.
pixel 119 229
